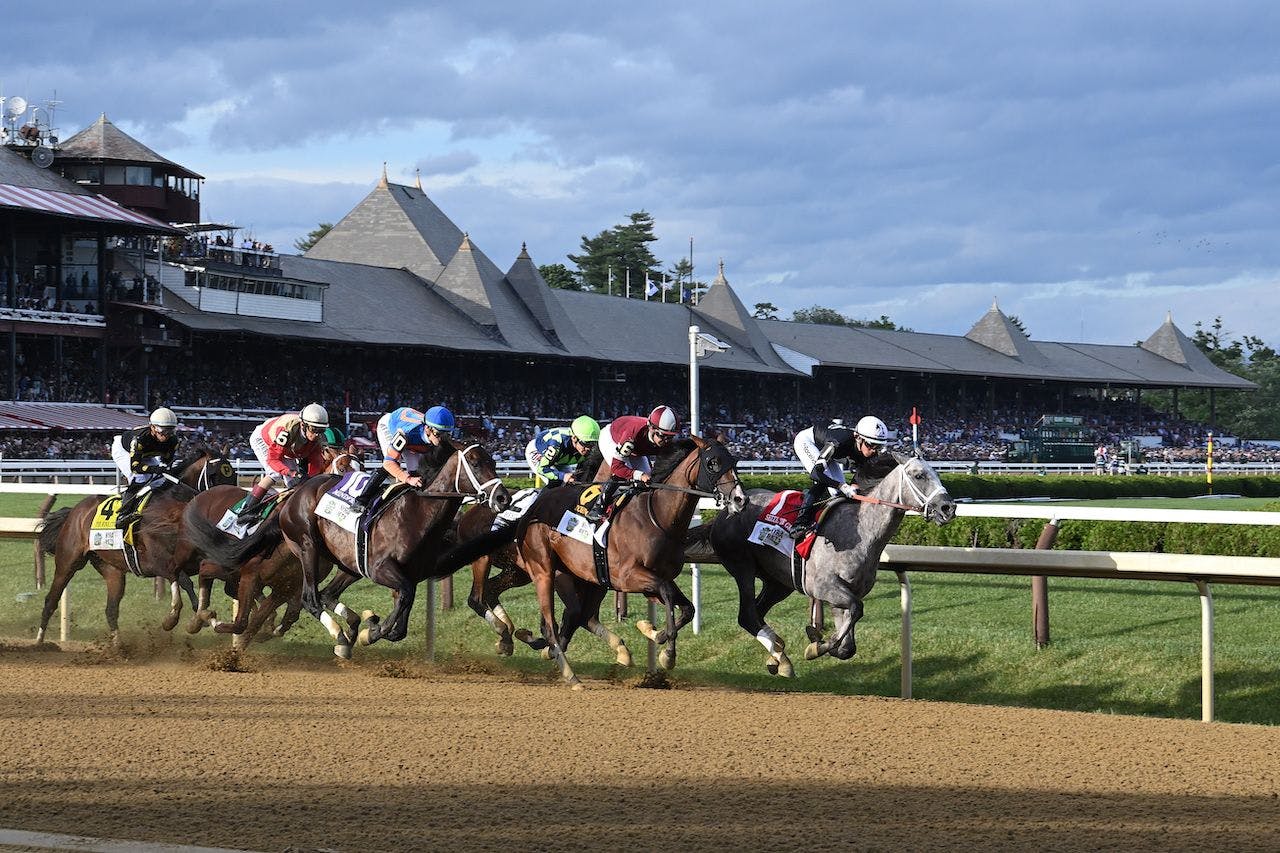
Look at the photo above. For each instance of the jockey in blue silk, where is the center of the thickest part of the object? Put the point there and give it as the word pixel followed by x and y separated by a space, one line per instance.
pixel 405 436
pixel 555 454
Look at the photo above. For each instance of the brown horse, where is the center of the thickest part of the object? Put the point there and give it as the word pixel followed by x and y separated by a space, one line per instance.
pixel 645 544
pixel 404 539
pixel 65 535
pixel 276 569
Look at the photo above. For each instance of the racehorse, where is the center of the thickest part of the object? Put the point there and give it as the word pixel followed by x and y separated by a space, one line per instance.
pixel 65 534
pixel 403 540
pixel 842 564
pixel 645 544
pixel 276 569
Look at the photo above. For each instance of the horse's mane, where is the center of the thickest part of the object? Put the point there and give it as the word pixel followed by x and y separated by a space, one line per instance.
pixel 435 458
pixel 873 470
pixel 196 453
pixel 672 455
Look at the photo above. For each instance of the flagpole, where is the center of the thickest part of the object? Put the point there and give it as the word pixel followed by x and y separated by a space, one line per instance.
pixel 693 295
pixel 611 280
pixel 628 282
pixel 646 285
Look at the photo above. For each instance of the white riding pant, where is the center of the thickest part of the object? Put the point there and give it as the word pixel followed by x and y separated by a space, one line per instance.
pixel 410 460
pixel 609 449
pixel 121 457
pixel 260 449
pixel 810 454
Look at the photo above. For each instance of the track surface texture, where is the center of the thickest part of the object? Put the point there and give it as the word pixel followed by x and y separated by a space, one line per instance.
pixel 316 756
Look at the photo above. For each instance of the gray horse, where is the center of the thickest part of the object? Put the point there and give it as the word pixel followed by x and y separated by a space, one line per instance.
pixel 841 568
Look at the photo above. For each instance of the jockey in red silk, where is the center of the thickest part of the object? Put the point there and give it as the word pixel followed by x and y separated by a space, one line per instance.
pixel 289 448
pixel 627 443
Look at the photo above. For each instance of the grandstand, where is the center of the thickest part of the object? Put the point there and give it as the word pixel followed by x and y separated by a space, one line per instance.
pixel 398 305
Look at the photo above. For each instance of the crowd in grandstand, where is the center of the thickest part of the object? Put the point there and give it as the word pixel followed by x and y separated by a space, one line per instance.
pixel 757 417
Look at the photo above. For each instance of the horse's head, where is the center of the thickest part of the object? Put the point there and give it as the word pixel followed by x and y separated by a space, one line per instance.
pixel 208 467
pixel 921 486
pixel 338 461
pixel 717 472
pixel 474 473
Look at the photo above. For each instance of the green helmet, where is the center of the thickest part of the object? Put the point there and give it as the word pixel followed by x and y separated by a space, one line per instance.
pixel 585 429
pixel 334 437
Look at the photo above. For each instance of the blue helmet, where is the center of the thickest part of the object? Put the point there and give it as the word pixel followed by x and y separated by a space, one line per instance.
pixel 439 418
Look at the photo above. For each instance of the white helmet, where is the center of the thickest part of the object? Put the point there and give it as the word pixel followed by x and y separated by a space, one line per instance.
pixel 164 418
pixel 872 430
pixel 315 415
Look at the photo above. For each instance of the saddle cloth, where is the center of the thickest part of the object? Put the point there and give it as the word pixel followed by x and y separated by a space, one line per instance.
pixel 103 535
pixel 773 528
pixel 230 523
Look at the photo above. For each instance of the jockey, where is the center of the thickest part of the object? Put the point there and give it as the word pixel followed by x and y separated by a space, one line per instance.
pixel 289 448
pixel 404 436
pixel 555 454
pixel 626 444
pixel 818 448
pixel 143 455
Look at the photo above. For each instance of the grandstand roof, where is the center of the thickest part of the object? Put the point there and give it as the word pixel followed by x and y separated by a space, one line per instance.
pixel 394 226
pixel 400 272
pixel 71 416
pixel 102 140
pixel 28 188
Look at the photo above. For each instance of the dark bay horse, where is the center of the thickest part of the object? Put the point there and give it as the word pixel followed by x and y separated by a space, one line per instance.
pixel 645 544
pixel 403 541
pixel 271 566
pixel 65 535
pixel 842 564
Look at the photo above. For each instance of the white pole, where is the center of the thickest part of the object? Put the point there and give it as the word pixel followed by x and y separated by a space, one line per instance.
pixel 693 381
pixel 628 282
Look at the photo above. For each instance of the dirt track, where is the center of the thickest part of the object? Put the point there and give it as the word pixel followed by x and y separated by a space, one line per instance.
pixel 338 758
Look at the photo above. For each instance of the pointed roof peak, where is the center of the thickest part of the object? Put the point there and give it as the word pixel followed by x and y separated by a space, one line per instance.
pixel 997 332
pixel 524 252
pixel 466 243
pixel 103 141
pixel 417 177
pixel 1168 342
pixel 995 304
pixel 382 182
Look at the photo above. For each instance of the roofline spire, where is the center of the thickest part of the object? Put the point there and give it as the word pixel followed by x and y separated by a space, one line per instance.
pixel 383 181
pixel 417 177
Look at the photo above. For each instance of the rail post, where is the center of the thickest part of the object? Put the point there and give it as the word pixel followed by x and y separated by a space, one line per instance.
pixel 1040 588
pixel 430 644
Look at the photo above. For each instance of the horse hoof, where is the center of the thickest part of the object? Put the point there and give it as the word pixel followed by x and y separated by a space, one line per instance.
pixel 239 642
pixel 364 639
pixel 771 664
pixel 505 648
pixel 524 635
pixel 195 625
pixel 785 669
pixel 624 656
pixel 169 622
pixel 343 652
pixel 367 616
pixel 576 684
pixel 812 652
pixel 812 632
pixel 644 626
pixel 546 653
pixel 667 659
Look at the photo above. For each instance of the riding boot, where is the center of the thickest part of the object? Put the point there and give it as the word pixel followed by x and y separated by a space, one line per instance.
pixel 371 489
pixel 601 506
pixel 251 506
pixel 127 513
pixel 808 512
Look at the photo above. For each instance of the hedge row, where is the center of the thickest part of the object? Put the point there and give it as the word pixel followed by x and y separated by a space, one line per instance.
pixel 1077 487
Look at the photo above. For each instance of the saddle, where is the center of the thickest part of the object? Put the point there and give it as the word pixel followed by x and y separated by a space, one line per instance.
pixel 265 508
pixel 107 515
pixel 591 496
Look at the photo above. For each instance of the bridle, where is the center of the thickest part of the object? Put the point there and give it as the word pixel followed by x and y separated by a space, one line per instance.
pixel 904 485
pixel 480 490
pixel 717 493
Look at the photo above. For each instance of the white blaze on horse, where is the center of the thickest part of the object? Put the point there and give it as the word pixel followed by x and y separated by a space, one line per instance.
pixel 841 568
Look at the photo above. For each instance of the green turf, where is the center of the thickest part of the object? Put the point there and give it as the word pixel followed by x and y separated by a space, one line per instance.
pixel 1117 647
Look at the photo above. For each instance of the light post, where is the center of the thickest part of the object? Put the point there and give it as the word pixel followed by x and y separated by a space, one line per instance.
pixel 700 344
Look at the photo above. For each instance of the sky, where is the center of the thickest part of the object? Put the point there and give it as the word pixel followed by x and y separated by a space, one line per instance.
pixel 1087 166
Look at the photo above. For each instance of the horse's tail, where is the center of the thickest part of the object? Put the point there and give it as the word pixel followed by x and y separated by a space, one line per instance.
pixel 467 552
pixel 51 527
pixel 228 552
pixel 697 542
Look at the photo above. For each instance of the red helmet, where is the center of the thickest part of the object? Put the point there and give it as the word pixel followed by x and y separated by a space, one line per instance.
pixel 664 420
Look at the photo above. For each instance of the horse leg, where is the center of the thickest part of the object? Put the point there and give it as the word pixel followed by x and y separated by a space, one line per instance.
pixel 329 601
pixel 115 591
pixel 292 610
pixel 772 592
pixel 247 588
pixel 476 601
pixel 180 584
pixel 663 591
pixel 510 577
pixel 571 616
pixel 202 615
pixel 264 612
pixel 66 564
pixel 541 562
pixel 844 646
pixel 592 595
pixel 750 620
pixel 397 625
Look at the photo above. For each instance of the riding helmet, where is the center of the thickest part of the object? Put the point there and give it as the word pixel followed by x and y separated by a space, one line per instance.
pixel 585 429
pixel 164 418
pixel 315 415
pixel 664 420
pixel 872 430
pixel 439 419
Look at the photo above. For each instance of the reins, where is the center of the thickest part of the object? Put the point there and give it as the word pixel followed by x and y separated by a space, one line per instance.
pixel 902 481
